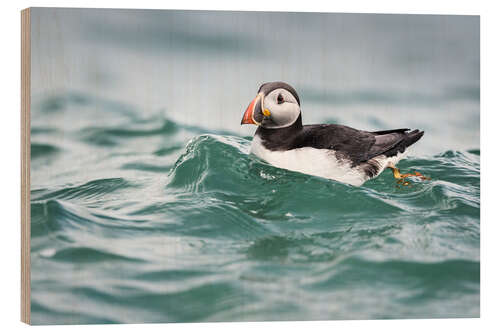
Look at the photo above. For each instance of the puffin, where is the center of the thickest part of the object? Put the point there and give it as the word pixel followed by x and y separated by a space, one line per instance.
pixel 331 151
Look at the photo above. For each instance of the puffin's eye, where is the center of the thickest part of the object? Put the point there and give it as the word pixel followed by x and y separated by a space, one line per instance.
pixel 280 99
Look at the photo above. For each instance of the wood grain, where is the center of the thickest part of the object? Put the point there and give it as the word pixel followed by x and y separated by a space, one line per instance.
pixel 25 165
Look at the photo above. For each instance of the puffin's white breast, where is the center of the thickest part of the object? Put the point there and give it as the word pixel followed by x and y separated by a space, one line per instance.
pixel 318 162
pixel 311 161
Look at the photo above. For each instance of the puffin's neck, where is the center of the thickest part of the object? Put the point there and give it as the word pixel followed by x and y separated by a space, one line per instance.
pixel 279 138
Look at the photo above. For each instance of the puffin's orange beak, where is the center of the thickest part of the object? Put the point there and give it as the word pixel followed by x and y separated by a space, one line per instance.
pixel 248 115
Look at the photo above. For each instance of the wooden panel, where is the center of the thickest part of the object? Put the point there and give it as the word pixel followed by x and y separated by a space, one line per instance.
pixel 25 164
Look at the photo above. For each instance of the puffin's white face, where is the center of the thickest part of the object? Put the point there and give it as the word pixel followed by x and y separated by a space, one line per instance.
pixel 282 109
pixel 276 106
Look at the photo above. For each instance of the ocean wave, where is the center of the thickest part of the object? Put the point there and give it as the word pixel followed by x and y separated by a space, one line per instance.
pixel 221 167
pixel 209 226
pixel 42 150
pixel 110 136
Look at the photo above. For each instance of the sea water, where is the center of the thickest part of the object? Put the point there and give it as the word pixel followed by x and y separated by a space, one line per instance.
pixel 146 205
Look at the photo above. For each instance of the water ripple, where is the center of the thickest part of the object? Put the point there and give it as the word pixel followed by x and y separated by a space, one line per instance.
pixel 178 225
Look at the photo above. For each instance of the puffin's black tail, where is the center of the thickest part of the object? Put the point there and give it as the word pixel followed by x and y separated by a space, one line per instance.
pixel 412 137
pixel 409 139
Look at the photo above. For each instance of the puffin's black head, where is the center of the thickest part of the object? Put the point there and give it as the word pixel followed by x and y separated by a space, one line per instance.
pixel 277 105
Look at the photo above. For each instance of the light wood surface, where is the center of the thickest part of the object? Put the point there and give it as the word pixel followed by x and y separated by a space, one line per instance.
pixel 25 165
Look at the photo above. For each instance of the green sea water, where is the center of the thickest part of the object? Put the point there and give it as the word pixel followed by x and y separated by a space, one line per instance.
pixel 170 223
pixel 146 205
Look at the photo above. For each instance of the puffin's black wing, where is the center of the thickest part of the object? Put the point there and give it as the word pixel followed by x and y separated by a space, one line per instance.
pixel 358 146
pixel 392 142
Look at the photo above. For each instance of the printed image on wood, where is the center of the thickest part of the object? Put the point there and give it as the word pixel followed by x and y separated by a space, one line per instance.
pixel 219 166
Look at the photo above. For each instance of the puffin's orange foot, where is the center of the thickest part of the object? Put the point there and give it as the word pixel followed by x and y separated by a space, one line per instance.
pixel 419 175
pixel 401 177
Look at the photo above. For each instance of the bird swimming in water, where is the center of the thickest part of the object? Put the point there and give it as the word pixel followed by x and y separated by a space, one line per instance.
pixel 330 151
